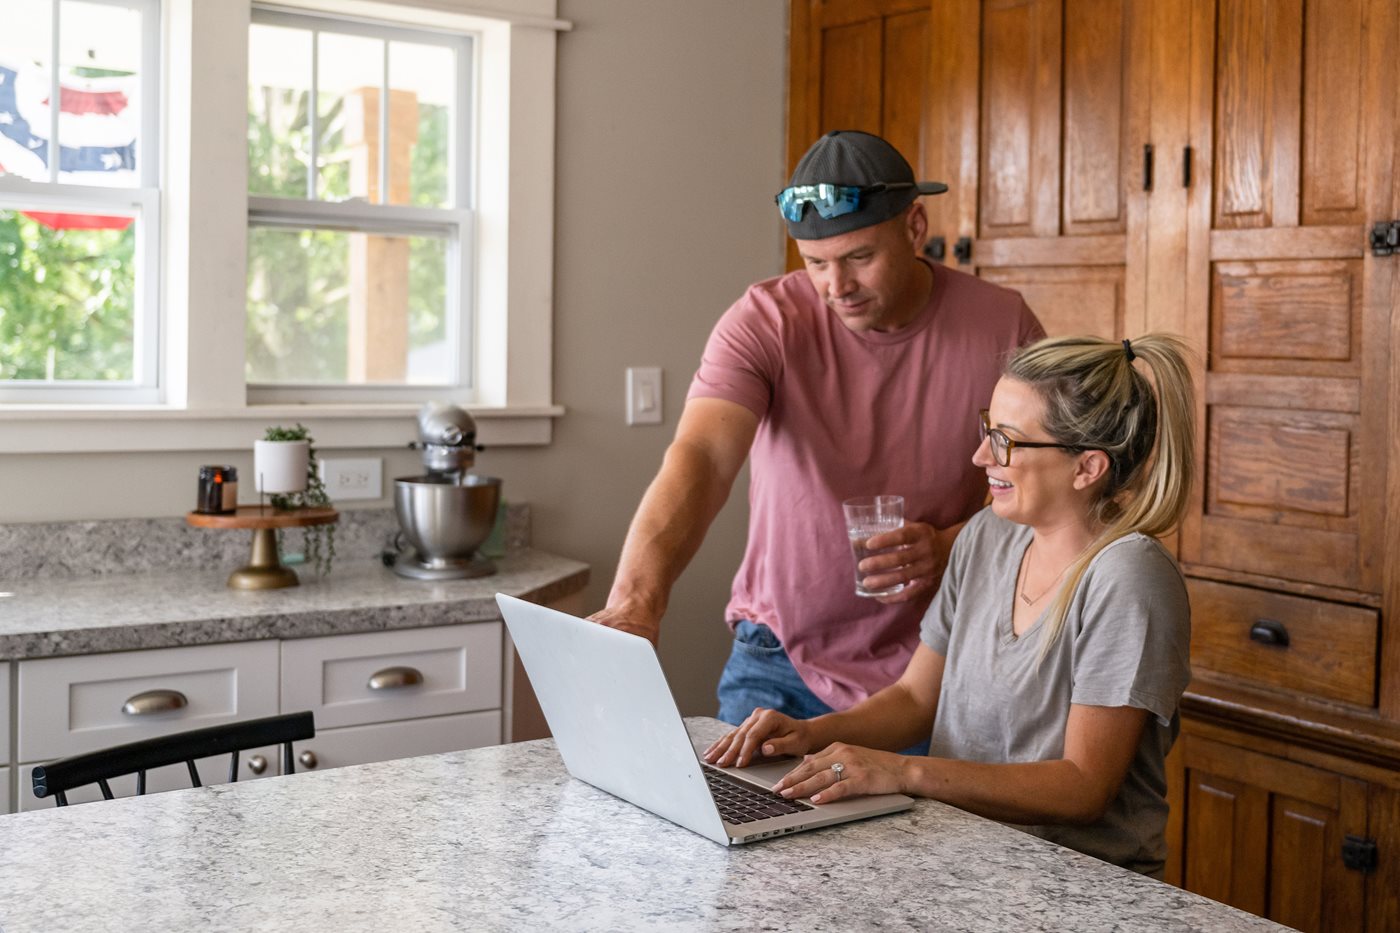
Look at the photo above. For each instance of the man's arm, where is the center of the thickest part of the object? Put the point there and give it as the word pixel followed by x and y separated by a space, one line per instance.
pixel 712 441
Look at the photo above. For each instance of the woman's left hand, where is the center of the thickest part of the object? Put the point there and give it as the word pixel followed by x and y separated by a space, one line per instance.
pixel 863 771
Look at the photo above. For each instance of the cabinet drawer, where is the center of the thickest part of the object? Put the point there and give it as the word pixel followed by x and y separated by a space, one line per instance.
pixel 4 712
pixel 73 705
pixel 358 745
pixel 1331 651
pixel 5 790
pixel 458 669
pixel 172 777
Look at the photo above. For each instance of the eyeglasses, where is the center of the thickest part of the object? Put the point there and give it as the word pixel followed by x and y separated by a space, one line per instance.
pixel 1001 444
pixel 829 200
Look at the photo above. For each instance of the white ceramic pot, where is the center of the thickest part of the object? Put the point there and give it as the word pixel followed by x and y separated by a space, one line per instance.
pixel 280 466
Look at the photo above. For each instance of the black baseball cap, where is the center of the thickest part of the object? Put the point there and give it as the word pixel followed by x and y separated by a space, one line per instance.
pixel 854 159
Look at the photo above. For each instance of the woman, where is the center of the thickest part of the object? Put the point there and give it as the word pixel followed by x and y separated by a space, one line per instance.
pixel 1054 656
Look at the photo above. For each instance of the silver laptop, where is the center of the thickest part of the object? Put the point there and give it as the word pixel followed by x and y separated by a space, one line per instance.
pixel 617 728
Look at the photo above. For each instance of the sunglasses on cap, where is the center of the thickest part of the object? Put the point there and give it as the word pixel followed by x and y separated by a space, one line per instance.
pixel 829 200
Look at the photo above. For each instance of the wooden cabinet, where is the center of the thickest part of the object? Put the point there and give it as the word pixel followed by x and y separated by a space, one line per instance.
pixel 1211 168
pixel 1267 835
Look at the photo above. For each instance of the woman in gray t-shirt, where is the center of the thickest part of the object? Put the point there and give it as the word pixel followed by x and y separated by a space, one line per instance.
pixel 1055 654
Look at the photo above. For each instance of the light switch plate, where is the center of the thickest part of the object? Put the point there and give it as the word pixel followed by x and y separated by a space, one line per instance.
pixel 353 478
pixel 643 395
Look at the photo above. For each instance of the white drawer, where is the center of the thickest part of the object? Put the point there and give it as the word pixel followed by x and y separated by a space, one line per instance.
pixel 73 705
pixel 358 745
pixel 460 667
pixel 4 713
pixel 173 777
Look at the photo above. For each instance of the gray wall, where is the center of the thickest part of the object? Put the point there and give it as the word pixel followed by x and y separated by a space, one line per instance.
pixel 670 145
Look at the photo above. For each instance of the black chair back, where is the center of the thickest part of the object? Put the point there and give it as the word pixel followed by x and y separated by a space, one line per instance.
pixel 57 778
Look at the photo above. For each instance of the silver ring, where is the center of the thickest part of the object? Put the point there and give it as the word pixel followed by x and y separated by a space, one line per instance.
pixel 840 770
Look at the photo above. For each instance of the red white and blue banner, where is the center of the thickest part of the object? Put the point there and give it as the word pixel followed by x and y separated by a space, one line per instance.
pixel 97 129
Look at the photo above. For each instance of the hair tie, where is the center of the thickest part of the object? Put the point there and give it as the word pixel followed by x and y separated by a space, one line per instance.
pixel 1128 349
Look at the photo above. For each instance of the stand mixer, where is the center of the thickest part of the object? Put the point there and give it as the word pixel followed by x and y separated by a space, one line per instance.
pixel 448 512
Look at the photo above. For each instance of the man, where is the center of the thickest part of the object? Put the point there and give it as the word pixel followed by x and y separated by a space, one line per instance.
pixel 861 375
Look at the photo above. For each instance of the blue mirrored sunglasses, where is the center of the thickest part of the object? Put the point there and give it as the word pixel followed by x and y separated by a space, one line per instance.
pixel 829 200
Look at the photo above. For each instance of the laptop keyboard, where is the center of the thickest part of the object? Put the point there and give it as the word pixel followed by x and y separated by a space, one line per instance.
pixel 739 802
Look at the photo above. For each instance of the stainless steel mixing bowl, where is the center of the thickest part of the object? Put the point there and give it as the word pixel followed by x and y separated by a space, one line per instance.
pixel 446 522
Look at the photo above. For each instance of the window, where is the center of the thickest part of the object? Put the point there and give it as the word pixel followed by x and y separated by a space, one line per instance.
pixel 255 260
pixel 359 226
pixel 79 201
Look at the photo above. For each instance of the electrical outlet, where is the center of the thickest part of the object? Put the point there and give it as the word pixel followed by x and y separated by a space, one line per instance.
pixel 353 478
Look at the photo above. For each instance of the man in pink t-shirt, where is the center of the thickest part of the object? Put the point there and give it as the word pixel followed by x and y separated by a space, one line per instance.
pixel 860 375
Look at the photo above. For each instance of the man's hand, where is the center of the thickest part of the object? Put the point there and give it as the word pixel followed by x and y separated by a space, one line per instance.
pixel 631 619
pixel 919 556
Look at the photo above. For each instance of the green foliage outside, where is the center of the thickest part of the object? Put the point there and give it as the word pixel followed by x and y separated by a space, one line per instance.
pixel 67 302
pixel 67 297
pixel 299 280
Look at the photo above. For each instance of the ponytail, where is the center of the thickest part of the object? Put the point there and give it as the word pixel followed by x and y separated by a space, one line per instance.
pixel 1096 399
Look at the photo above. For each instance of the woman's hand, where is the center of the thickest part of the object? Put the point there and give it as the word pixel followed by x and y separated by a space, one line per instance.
pixel 863 771
pixel 767 732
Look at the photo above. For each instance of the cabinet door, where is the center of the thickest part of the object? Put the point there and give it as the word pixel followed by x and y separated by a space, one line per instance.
pixel 1040 132
pixel 1265 835
pixel 1293 114
pixel 857 65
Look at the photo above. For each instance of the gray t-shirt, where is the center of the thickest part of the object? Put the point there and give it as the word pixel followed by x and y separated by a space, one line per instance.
pixel 1125 642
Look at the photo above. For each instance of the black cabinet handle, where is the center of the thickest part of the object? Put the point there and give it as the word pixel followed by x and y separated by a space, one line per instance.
pixel 936 248
pixel 1269 632
pixel 1147 167
pixel 963 250
pixel 1186 155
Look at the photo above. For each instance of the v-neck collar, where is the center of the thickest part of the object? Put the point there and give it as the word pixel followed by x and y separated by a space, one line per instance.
pixel 1006 628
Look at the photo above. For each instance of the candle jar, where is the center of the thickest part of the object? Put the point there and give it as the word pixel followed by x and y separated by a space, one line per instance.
pixel 218 490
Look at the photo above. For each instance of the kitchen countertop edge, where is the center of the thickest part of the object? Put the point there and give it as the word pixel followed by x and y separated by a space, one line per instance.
pixel 56 618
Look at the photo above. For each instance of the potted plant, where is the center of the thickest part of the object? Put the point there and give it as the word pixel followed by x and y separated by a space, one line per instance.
pixel 285 468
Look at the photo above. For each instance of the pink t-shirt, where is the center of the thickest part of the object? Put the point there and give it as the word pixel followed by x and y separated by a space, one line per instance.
pixel 842 415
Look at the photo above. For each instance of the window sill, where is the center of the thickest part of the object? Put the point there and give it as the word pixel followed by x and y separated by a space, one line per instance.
pixel 52 429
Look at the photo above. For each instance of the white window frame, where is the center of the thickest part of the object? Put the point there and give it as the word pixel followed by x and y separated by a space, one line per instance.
pixel 204 211
pixel 141 203
pixel 453 224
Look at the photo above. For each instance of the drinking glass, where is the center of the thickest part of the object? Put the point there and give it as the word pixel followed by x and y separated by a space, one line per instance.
pixel 866 517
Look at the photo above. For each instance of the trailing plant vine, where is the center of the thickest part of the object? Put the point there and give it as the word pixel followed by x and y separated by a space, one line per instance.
pixel 319 540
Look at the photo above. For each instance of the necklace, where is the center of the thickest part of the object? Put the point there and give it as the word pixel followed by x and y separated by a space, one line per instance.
pixel 1026 572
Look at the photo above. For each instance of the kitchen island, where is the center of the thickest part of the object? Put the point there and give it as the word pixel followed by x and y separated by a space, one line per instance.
pixel 502 838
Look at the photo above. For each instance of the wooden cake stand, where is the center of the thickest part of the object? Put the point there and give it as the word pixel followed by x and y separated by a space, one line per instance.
pixel 264 570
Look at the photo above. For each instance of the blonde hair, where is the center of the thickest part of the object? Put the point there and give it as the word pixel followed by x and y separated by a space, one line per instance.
pixel 1096 399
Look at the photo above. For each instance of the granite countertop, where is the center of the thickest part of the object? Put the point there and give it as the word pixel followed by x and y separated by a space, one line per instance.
pixel 52 616
pixel 503 839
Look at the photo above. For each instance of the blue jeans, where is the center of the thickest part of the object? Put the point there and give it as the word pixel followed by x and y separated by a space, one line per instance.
pixel 759 673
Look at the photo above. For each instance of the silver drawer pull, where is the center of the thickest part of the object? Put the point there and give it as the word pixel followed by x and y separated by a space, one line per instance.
pixel 308 759
pixel 392 678
pixel 257 764
pixel 154 701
